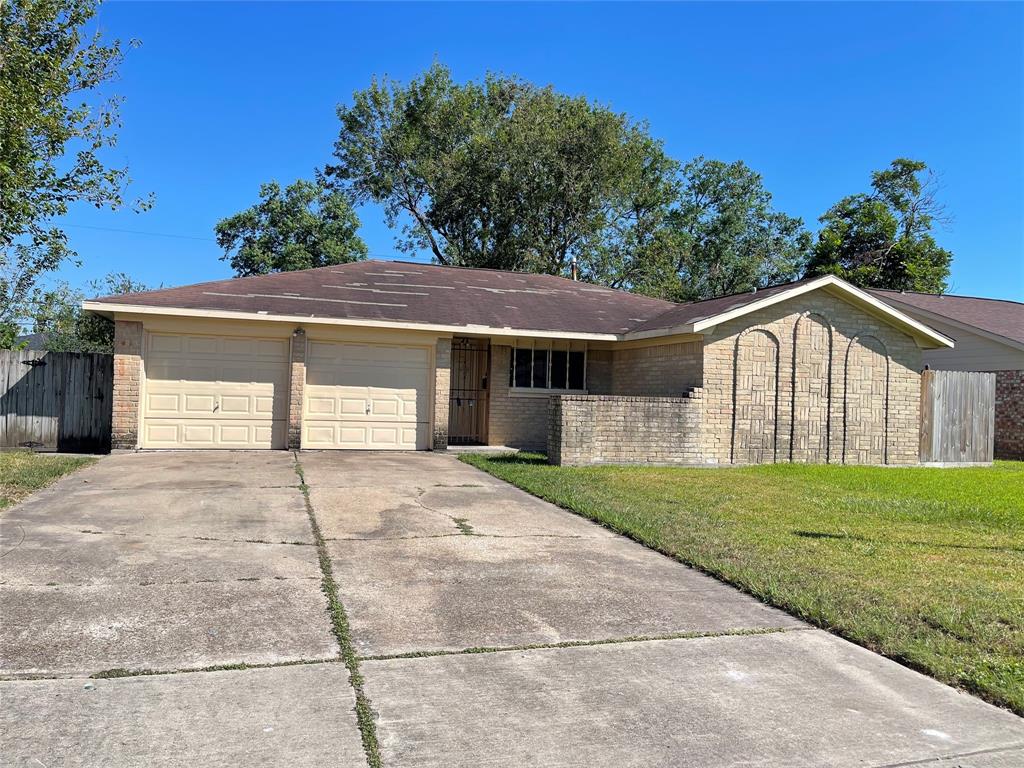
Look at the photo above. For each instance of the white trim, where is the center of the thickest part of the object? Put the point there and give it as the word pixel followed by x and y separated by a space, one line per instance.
pixel 911 310
pixel 482 330
pixel 706 324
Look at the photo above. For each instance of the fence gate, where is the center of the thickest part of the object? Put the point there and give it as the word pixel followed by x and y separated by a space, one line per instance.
pixel 55 401
pixel 958 410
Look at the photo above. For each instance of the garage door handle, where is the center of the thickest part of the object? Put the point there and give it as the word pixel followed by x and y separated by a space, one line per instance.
pixel 367 409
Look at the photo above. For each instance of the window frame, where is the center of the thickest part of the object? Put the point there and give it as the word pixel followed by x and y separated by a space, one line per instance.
pixel 548 348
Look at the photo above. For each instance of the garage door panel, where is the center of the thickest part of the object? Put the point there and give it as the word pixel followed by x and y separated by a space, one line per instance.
pixel 376 395
pixel 215 392
pixel 162 433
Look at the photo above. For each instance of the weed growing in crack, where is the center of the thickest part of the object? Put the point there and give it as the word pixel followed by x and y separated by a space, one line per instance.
pixel 342 632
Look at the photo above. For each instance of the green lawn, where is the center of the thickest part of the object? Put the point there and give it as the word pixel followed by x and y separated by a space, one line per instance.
pixel 22 472
pixel 923 565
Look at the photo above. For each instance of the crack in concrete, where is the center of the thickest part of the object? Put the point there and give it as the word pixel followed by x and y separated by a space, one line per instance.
pixel 465 529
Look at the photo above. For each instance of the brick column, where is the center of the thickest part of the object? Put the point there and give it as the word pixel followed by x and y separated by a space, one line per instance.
pixel 127 378
pixel 442 391
pixel 296 388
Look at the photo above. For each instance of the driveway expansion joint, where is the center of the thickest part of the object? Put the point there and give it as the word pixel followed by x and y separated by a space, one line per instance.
pixel 120 672
pixel 956 756
pixel 365 716
pixel 586 643
pixel 184 582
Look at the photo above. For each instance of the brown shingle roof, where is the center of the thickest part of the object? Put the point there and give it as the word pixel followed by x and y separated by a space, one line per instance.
pixel 1003 318
pixel 418 293
pixel 459 297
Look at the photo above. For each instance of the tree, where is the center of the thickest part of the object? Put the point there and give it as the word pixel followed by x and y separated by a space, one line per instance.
pixel 504 174
pixel 57 314
pixel 305 225
pixel 54 128
pixel 730 238
pixel 883 239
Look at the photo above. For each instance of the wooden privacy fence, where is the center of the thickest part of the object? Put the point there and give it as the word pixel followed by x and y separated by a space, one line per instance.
pixel 56 401
pixel 958 411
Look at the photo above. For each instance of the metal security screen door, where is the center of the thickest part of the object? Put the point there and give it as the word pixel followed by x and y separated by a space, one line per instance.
pixel 467 407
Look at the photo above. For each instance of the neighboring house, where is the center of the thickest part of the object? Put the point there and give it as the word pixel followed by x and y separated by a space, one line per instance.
pixel 989 336
pixel 390 355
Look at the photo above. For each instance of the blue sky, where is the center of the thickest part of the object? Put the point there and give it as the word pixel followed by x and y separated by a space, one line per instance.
pixel 222 97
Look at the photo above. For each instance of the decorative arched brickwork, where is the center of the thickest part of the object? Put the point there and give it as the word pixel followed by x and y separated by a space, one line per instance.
pixel 810 421
pixel 866 401
pixel 755 397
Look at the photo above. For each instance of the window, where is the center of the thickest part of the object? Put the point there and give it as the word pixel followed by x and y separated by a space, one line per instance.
pixel 532 368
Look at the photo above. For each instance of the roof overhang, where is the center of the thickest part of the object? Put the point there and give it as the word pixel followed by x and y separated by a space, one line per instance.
pixel 925 336
pixel 110 309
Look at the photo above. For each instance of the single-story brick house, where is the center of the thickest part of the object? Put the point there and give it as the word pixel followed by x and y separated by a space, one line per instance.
pixel 989 337
pixel 391 355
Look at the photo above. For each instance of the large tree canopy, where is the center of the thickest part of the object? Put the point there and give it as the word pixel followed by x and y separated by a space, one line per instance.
pixel 303 226
pixel 54 128
pixel 883 239
pixel 505 174
pixel 730 238
pixel 502 173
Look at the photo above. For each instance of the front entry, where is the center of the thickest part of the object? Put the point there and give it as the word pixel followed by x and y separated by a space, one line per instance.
pixel 467 405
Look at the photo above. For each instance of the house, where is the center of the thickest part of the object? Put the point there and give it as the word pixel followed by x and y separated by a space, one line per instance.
pixel 389 355
pixel 989 336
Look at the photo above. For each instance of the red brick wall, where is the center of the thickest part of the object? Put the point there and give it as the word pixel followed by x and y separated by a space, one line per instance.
pixel 1009 415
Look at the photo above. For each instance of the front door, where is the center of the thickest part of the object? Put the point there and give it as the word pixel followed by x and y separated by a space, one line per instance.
pixel 467 406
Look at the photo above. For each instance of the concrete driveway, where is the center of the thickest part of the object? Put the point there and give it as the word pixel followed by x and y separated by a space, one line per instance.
pixel 492 629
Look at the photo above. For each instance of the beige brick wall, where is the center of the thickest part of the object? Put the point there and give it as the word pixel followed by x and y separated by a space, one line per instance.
pixel 127 384
pixel 442 392
pixel 811 379
pixel 296 388
pixel 610 429
pixel 600 369
pixel 518 420
pixel 664 370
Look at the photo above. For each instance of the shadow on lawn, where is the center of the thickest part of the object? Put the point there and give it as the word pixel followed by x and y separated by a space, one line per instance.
pixel 529 459
pixel 855 537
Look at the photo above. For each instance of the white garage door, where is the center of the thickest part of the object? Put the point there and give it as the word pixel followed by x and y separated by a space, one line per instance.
pixel 368 396
pixel 215 392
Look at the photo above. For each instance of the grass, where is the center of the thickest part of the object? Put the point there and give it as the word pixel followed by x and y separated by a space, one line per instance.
pixel 923 565
pixel 24 472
